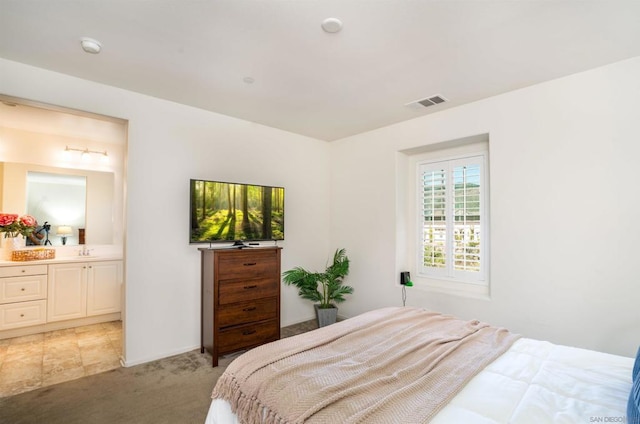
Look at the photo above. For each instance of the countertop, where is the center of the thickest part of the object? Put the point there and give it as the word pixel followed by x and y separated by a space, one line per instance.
pixel 62 260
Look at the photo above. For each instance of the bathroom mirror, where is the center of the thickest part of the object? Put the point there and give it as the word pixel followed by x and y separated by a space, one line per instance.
pixel 59 200
pixel 62 197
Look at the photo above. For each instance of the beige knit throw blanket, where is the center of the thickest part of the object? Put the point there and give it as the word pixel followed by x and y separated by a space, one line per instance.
pixel 391 365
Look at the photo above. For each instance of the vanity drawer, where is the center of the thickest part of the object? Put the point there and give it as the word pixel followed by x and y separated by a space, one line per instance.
pixel 250 263
pixel 20 289
pixel 245 290
pixel 242 313
pixel 18 271
pixel 23 314
pixel 247 336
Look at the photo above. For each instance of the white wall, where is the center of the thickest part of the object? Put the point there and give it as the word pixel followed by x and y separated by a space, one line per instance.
pixel 564 204
pixel 168 144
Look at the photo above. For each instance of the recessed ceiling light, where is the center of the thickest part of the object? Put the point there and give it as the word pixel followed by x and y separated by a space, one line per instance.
pixel 248 80
pixel 90 45
pixel 332 25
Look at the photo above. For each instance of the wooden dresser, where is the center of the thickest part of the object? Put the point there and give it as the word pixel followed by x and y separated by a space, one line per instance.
pixel 240 299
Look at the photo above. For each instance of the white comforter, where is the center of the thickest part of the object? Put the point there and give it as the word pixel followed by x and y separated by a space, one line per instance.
pixel 533 382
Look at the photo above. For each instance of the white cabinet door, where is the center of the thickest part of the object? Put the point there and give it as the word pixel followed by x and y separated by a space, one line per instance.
pixel 104 281
pixel 67 291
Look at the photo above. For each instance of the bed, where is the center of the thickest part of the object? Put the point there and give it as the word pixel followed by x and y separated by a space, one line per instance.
pixel 409 365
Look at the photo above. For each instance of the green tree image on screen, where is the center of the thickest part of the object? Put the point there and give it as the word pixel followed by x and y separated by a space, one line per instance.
pixel 226 211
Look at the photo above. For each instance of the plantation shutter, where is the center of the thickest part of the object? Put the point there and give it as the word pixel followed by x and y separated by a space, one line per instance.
pixel 452 202
pixel 434 213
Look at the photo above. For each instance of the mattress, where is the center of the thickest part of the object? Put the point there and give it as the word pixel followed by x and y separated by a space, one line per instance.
pixel 532 382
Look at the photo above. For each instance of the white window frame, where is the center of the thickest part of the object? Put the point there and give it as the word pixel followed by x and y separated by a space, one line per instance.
pixel 448 273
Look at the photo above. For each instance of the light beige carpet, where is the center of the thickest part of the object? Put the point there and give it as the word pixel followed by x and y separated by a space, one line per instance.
pixel 175 390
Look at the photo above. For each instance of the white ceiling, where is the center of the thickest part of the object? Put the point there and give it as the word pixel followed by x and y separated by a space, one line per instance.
pixel 327 86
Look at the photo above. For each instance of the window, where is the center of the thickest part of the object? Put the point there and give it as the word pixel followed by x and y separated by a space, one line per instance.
pixel 453 219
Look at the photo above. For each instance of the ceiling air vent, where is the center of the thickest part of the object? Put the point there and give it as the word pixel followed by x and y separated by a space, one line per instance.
pixel 429 101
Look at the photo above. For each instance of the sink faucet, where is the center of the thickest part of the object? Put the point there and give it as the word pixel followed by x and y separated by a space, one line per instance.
pixel 84 251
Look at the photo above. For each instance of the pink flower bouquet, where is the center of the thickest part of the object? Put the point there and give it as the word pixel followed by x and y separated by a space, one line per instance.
pixel 13 225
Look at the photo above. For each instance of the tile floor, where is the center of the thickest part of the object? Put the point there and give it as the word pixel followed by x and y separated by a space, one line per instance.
pixel 40 360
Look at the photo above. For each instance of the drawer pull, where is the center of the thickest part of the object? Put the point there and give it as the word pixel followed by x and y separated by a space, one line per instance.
pixel 250 287
pixel 253 308
pixel 22 289
pixel 24 270
pixel 21 315
pixel 248 332
pixel 249 264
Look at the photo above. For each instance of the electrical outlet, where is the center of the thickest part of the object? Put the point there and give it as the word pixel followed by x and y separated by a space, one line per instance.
pixel 405 279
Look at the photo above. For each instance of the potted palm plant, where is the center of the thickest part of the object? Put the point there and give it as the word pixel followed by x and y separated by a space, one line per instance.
pixel 324 288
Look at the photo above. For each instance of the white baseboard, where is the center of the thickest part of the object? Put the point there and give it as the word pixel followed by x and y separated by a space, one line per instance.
pixel 126 363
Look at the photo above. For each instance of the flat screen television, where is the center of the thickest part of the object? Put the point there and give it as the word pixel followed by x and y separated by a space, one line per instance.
pixel 223 212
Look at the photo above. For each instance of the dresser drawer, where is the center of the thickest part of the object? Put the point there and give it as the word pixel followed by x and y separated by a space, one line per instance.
pixel 23 314
pixel 243 313
pixel 248 336
pixel 247 264
pixel 245 290
pixel 17 271
pixel 19 289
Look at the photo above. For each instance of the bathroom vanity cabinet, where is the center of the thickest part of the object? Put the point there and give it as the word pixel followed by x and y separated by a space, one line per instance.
pixel 58 294
pixel 81 289
pixel 23 296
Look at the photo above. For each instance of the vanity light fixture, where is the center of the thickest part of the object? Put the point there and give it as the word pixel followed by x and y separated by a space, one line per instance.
pixel 86 153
